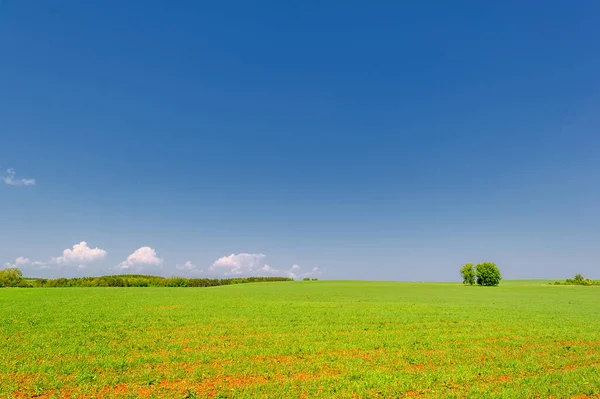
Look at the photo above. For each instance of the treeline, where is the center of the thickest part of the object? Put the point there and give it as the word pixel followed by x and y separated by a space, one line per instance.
pixel 577 280
pixel 13 277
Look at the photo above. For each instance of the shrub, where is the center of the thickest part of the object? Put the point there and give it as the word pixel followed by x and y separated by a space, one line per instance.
pixel 176 282
pixel 24 284
pixel 41 282
pixel 580 280
pixel 487 274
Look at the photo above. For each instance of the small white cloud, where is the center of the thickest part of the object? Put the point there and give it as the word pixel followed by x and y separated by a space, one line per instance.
pixel 243 263
pixel 314 272
pixel 22 262
pixel 8 265
pixel 189 267
pixel 268 269
pixel 81 254
pixel 11 181
pixel 144 256
pixel 186 266
pixel 293 272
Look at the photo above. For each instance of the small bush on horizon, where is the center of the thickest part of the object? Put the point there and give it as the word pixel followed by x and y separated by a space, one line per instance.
pixel 578 280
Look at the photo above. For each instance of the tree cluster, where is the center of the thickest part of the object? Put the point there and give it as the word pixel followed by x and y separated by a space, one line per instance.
pixel 486 273
pixel 13 277
pixel 578 280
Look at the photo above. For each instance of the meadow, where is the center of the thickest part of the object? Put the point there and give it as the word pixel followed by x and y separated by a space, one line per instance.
pixel 316 339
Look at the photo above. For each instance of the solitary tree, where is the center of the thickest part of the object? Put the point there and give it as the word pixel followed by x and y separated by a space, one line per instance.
pixel 487 273
pixel 468 274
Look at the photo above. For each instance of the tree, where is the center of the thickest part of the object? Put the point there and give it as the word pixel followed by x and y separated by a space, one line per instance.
pixel 488 274
pixel 10 277
pixel 468 274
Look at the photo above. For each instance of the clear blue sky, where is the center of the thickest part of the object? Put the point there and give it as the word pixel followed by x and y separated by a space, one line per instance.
pixel 371 140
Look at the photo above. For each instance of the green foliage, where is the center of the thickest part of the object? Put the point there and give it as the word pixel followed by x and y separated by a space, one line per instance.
pixel 140 280
pixel 468 274
pixel 306 279
pixel 24 284
pixel 488 274
pixel 578 280
pixel 10 277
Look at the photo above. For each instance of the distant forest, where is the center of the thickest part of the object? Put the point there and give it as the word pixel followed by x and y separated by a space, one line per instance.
pixel 13 277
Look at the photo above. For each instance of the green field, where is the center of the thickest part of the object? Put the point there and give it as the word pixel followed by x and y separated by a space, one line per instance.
pixel 317 339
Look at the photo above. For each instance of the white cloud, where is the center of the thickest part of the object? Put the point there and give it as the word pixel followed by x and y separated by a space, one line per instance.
pixel 250 265
pixel 144 256
pixel 11 181
pixel 186 266
pixel 22 262
pixel 81 254
pixel 268 269
pixel 189 267
pixel 292 273
pixel 243 263
pixel 314 272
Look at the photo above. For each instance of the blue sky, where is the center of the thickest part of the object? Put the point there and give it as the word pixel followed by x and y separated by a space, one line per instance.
pixel 386 140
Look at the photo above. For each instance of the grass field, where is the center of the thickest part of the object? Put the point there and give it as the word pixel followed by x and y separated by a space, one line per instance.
pixel 302 339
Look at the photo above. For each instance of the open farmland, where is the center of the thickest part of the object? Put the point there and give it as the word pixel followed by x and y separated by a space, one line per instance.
pixel 302 339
